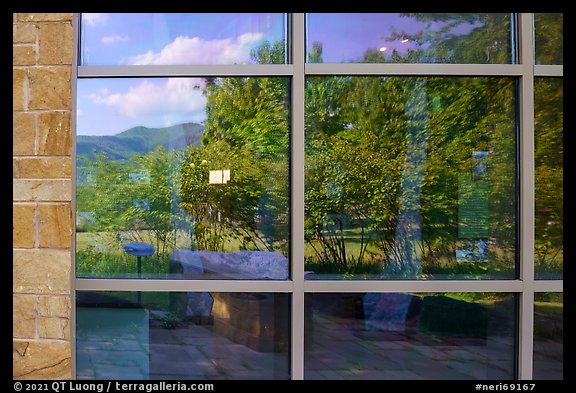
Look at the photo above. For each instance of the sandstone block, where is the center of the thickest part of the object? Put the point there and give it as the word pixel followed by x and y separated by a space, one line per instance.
pixel 44 17
pixel 42 190
pixel 24 33
pixel 23 231
pixel 23 134
pixel 23 55
pixel 55 225
pixel 55 43
pixel 19 89
pixel 42 271
pixel 55 133
pixel 54 328
pixel 54 306
pixel 41 360
pixel 42 167
pixel 24 316
pixel 50 88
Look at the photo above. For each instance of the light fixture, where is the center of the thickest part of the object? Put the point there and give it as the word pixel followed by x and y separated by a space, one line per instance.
pixel 382 49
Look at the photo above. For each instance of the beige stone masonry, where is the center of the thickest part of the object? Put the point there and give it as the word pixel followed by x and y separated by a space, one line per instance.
pixel 19 89
pixel 24 33
pixel 42 190
pixel 55 225
pixel 23 55
pixel 24 316
pixel 23 232
pixel 41 168
pixel 23 134
pixel 41 360
pixel 41 271
pixel 55 133
pixel 51 36
pixel 54 306
pixel 44 17
pixel 42 225
pixel 49 88
pixel 57 328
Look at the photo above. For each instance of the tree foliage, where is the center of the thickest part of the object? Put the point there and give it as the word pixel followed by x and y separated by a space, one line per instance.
pixel 386 160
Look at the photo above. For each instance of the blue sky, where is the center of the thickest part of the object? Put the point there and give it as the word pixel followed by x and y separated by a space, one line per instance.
pixel 175 38
pixel 108 106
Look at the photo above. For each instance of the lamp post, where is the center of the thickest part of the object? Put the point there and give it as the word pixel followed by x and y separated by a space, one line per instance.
pixel 139 250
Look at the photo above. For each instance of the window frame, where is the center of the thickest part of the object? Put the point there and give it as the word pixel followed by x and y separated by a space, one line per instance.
pixel 525 284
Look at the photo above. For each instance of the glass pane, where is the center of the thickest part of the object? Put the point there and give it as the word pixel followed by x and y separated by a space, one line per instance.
pixel 410 38
pixel 548 336
pixel 549 38
pixel 549 170
pixel 182 178
pixel 410 336
pixel 410 177
pixel 178 38
pixel 179 335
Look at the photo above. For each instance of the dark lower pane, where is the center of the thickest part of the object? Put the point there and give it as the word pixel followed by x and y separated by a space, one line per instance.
pixel 182 178
pixel 548 336
pixel 410 177
pixel 464 38
pixel 549 38
pixel 410 336
pixel 179 335
pixel 548 178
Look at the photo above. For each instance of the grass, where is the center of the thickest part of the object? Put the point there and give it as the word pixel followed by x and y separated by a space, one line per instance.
pixel 440 264
pixel 549 308
pixel 101 254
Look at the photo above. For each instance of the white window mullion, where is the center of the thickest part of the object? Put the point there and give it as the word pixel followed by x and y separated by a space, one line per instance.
pixel 414 69
pixel 188 70
pixel 297 185
pixel 527 198
pixel 74 82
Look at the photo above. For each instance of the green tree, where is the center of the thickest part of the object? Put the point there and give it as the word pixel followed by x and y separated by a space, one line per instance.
pixel 376 149
pixel 548 157
pixel 246 133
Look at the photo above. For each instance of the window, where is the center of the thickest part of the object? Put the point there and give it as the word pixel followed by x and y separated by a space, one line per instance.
pixel 548 335
pixel 548 130
pixel 275 196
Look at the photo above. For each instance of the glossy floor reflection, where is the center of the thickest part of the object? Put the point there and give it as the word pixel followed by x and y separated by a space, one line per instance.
pixel 346 347
pixel 410 356
pixel 187 351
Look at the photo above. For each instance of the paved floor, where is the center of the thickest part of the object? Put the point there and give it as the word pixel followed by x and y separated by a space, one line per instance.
pixel 341 348
pixel 344 350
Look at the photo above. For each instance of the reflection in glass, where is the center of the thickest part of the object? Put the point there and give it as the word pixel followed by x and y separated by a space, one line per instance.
pixel 410 336
pixel 179 335
pixel 549 38
pixel 548 336
pixel 549 170
pixel 180 38
pixel 195 168
pixel 410 38
pixel 410 177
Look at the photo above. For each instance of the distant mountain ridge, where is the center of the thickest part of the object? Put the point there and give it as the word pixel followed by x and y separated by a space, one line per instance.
pixel 140 140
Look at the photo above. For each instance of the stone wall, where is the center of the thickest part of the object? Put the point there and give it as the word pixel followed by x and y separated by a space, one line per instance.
pixel 42 193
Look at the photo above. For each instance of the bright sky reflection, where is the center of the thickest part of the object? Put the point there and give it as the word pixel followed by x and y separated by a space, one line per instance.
pixel 109 106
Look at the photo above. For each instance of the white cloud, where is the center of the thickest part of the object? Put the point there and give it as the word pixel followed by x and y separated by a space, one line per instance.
pixel 195 50
pixel 174 98
pixel 113 39
pixel 93 19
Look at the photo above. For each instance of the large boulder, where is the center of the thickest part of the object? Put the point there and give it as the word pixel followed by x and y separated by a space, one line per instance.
pixel 386 311
pixel 256 265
